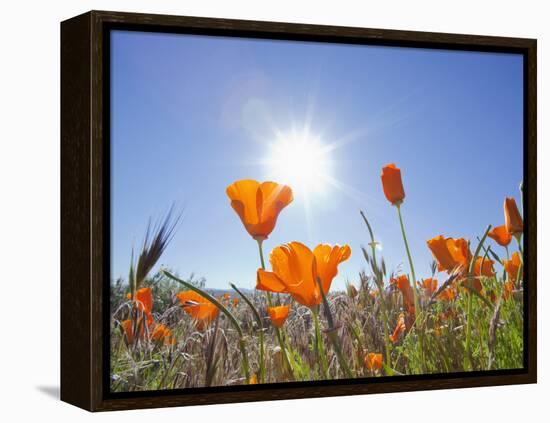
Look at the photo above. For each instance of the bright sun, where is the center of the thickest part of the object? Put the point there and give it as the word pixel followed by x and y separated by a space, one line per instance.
pixel 300 161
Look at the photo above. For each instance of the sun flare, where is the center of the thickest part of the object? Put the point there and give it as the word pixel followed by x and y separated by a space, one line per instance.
pixel 301 161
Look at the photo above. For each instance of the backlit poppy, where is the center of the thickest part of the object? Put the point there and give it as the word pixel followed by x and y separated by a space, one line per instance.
pixel 162 333
pixel 392 184
pixel 512 266
pixel 514 222
pixel 373 361
pixel 399 328
pixel 296 269
pixel 484 267
pixel 128 327
pixel 144 301
pixel 403 284
pixel 508 290
pixel 202 310
pixel 501 235
pixel 450 253
pixel 278 315
pixel 258 204
pixel 429 286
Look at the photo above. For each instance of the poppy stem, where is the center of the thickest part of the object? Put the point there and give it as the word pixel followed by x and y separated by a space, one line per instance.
pixel 468 359
pixel 414 286
pixel 380 284
pixel 269 303
pixel 319 344
pixel 333 333
pixel 261 327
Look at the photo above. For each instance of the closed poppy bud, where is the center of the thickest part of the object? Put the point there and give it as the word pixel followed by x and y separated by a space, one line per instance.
pixel 392 184
pixel 373 361
pixel 514 222
pixel 501 235
pixel 253 379
pixel 484 267
pixel 258 205
pixel 278 315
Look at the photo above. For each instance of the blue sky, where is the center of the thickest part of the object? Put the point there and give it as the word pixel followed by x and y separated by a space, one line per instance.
pixel 192 114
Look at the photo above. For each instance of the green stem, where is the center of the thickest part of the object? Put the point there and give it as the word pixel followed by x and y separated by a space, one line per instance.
pixel 221 307
pixel 333 334
pixel 319 344
pixel 260 325
pixel 380 284
pixel 468 358
pixel 269 303
pixel 414 287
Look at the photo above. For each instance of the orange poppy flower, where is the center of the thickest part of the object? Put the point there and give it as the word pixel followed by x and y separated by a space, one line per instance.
pixel 162 333
pixel 253 380
pixel 450 253
pixel 512 217
pixel 258 204
pixel 392 184
pixel 399 328
pixel 127 326
pixel 512 266
pixel 501 235
pixel 448 294
pixel 296 269
pixel 235 302
pixel 429 286
pixel 508 290
pixel 403 284
pixel 373 361
pixel 144 301
pixel 278 315
pixel 202 310
pixel 484 270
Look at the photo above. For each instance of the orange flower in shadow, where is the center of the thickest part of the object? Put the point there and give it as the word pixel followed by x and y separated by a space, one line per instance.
pixel 501 235
pixel 199 308
pixel 373 361
pixel 512 217
pixel 429 286
pixel 403 284
pixel 450 253
pixel 278 315
pixel 144 301
pixel 259 204
pixel 128 327
pixel 447 294
pixel 508 290
pixel 512 266
pixel 163 334
pixel 296 269
pixel 484 267
pixel 392 184
pixel 399 328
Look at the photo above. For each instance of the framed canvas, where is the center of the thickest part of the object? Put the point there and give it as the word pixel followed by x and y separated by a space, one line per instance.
pixel 256 210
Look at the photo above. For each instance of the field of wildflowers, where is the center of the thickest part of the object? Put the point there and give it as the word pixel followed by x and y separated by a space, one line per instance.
pixel 170 333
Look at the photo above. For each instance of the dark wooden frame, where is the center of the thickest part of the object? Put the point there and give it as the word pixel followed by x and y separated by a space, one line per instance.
pixel 85 235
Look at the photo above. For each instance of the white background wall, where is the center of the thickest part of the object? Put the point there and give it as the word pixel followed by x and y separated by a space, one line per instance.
pixel 29 208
